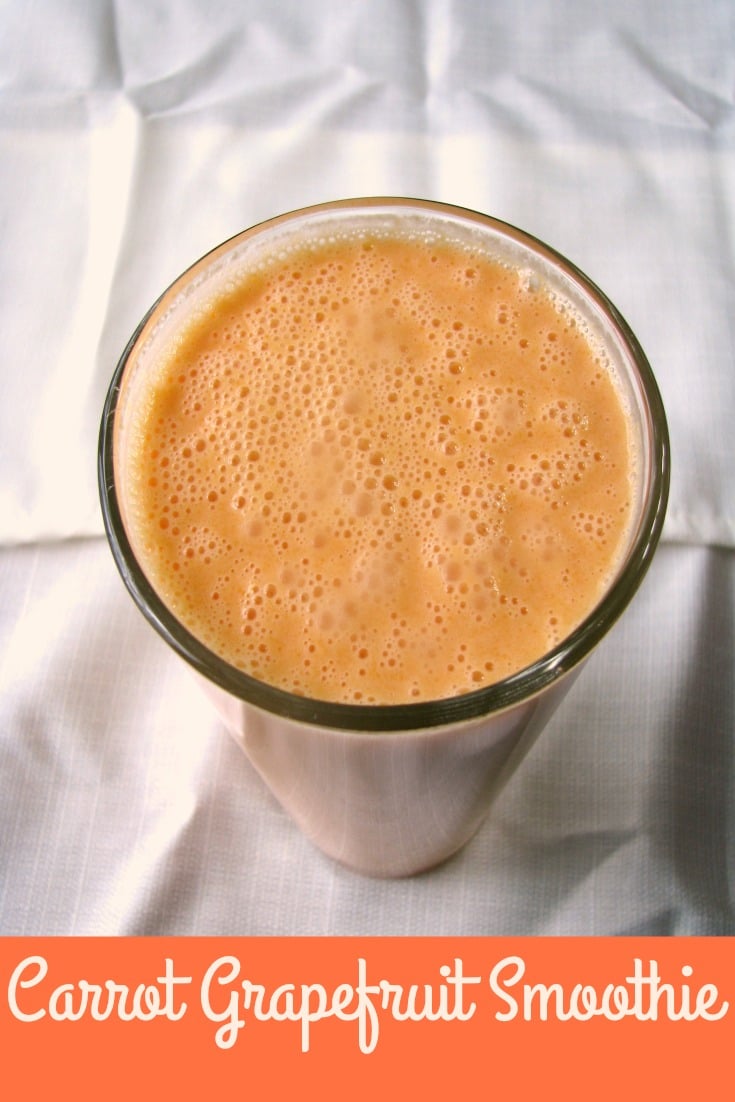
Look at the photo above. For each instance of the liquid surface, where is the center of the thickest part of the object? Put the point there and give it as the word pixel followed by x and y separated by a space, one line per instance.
pixel 381 472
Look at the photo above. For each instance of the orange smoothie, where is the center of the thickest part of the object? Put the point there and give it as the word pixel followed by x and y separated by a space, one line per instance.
pixel 381 470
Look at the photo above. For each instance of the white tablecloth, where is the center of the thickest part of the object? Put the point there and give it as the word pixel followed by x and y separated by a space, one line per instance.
pixel 133 137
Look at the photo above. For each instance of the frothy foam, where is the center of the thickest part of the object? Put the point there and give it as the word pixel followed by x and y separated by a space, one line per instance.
pixel 381 469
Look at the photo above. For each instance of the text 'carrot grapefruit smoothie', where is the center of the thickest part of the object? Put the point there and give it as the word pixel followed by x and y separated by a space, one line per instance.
pixel 381 469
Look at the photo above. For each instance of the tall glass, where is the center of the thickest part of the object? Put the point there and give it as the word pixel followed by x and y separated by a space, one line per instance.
pixel 391 789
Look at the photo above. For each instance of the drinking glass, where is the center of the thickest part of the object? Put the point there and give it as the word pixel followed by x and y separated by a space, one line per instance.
pixel 393 789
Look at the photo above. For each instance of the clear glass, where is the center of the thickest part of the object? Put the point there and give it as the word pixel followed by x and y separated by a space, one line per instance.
pixel 391 789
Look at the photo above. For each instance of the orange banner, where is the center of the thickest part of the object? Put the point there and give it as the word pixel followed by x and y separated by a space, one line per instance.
pixel 318 1018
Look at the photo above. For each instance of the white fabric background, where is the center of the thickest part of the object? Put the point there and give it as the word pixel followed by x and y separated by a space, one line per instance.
pixel 133 137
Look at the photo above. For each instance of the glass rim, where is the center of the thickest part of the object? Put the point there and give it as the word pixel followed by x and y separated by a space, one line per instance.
pixel 498 696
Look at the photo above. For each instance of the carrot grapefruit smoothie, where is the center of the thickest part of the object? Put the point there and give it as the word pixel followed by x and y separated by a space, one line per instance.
pixel 380 468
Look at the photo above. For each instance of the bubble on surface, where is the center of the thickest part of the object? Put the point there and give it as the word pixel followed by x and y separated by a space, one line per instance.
pixel 383 473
